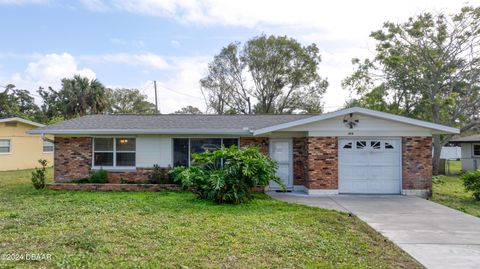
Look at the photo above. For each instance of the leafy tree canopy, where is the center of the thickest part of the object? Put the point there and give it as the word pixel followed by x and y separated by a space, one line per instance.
pixel 189 110
pixel 129 101
pixel 273 74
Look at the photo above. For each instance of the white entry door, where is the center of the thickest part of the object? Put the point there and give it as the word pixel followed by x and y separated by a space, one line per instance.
pixel 281 152
pixel 369 166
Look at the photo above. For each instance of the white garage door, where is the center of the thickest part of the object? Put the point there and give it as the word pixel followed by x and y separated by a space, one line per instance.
pixel 370 166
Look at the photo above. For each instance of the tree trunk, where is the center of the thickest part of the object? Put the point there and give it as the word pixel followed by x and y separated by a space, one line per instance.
pixel 437 150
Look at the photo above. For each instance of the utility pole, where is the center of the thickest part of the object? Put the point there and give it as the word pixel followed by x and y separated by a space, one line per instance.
pixel 156 101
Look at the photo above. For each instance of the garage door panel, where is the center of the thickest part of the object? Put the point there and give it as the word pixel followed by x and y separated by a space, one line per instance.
pixel 354 157
pixel 370 166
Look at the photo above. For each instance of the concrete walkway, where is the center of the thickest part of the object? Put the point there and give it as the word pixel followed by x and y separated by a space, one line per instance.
pixel 435 235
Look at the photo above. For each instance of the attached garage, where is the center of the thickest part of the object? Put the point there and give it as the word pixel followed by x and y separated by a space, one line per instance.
pixel 369 165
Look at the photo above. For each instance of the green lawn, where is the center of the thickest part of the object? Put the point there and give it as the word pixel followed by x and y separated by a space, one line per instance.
pixel 174 229
pixel 452 194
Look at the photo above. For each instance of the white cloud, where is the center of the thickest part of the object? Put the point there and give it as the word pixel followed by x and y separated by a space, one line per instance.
pixel 51 68
pixel 149 60
pixel 183 88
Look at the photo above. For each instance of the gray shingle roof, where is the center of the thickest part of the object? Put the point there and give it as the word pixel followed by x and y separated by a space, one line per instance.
pixel 471 138
pixel 168 124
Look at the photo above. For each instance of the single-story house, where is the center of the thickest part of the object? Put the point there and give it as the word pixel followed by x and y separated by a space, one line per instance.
pixel 354 150
pixel 470 151
pixel 19 150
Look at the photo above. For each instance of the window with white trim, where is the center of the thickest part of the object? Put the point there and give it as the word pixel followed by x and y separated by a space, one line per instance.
pixel 184 148
pixel 47 146
pixel 5 146
pixel 114 152
pixel 476 150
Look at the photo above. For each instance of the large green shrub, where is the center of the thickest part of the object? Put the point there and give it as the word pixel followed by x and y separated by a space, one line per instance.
pixel 471 181
pixel 39 175
pixel 227 175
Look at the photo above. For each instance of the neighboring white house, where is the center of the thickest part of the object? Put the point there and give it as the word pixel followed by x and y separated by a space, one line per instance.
pixel 470 146
pixel 451 153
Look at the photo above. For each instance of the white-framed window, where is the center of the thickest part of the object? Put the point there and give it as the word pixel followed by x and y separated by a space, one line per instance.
pixel 5 146
pixel 47 146
pixel 476 149
pixel 114 152
pixel 184 148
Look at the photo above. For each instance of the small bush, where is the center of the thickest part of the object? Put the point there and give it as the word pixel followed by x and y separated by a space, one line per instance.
pixel 471 182
pixel 242 170
pixel 81 180
pixel 39 175
pixel 99 176
pixel 159 175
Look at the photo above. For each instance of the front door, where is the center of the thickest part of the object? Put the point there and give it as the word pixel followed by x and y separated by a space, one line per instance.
pixel 281 152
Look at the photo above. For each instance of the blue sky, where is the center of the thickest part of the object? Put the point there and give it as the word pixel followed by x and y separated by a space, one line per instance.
pixel 129 43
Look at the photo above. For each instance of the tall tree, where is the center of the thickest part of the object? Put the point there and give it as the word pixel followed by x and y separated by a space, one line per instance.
pixel 17 103
pixel 268 75
pixel 130 101
pixel 427 67
pixel 189 110
pixel 78 96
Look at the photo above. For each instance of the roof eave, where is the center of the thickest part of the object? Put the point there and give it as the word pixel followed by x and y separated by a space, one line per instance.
pixel 439 129
pixel 142 131
pixel 29 122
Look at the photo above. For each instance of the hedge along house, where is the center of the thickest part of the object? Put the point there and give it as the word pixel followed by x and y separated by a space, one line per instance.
pixel 353 150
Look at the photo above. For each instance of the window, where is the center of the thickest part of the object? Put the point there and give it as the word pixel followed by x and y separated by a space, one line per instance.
pixel 361 144
pixel 476 150
pixel 4 146
pixel 375 144
pixel 184 148
pixel 47 146
pixel 348 145
pixel 114 152
pixel 388 146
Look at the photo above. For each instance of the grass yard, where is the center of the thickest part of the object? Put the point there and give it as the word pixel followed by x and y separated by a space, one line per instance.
pixel 452 194
pixel 168 229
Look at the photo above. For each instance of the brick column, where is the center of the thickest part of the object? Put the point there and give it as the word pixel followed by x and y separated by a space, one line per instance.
pixel 417 165
pixel 72 158
pixel 261 142
pixel 300 167
pixel 322 162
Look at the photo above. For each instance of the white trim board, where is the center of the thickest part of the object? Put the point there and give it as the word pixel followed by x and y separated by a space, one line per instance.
pixel 382 115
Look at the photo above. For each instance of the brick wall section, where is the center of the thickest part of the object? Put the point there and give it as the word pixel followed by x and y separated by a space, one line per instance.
pixel 299 160
pixel 322 162
pixel 261 142
pixel 138 176
pixel 72 158
pixel 113 187
pixel 417 163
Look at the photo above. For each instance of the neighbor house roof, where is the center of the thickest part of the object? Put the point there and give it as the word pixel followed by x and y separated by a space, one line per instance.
pixel 466 139
pixel 167 124
pixel 17 119
pixel 210 124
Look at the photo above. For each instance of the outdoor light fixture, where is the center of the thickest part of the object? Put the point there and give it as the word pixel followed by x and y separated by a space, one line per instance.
pixel 123 141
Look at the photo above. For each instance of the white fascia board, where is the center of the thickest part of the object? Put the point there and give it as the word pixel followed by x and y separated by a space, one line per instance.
pixel 368 112
pixel 141 131
pixel 29 122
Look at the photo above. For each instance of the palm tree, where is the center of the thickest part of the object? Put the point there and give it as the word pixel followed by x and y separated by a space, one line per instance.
pixel 82 96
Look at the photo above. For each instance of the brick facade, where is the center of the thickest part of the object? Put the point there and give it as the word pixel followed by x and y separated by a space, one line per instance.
pixel 322 162
pixel 72 158
pixel 315 161
pixel 299 160
pixel 261 142
pixel 417 163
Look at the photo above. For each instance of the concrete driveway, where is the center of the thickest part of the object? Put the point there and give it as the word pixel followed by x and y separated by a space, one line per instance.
pixel 435 235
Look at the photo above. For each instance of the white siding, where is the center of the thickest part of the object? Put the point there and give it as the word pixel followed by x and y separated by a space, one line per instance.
pixel 367 126
pixel 450 153
pixel 154 150
pixel 468 160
